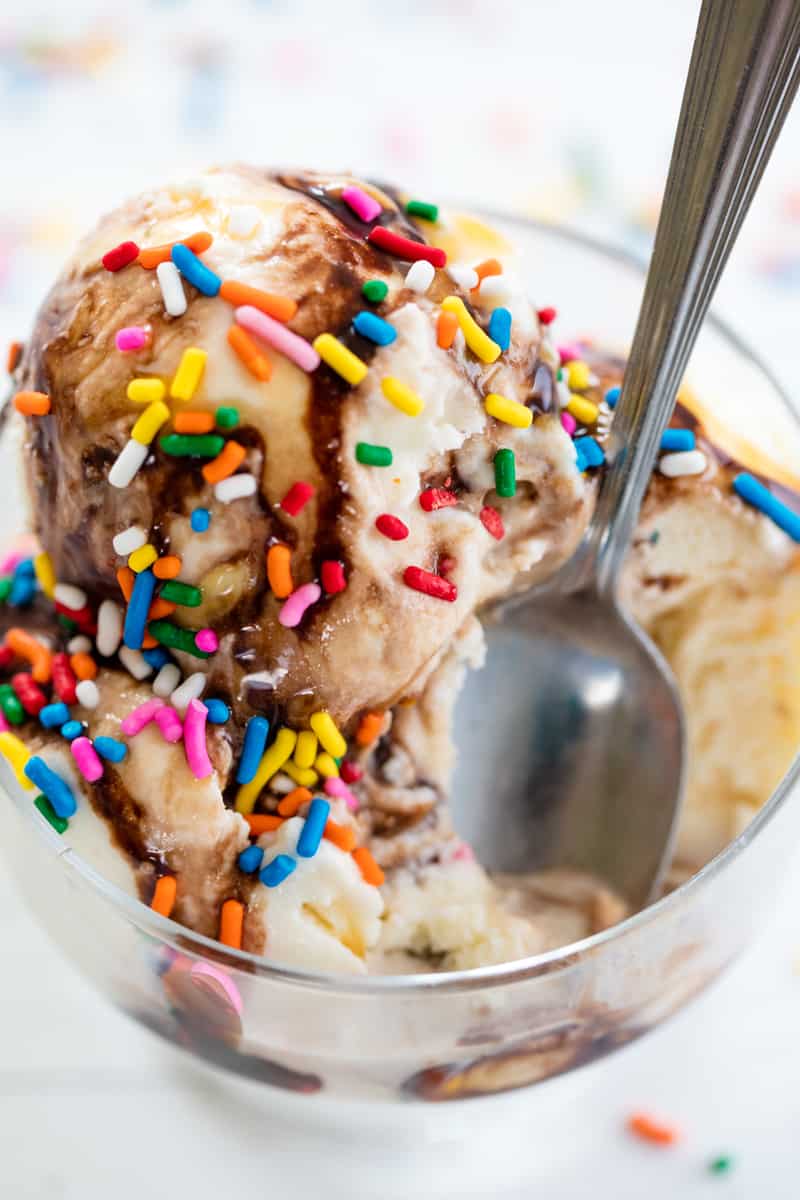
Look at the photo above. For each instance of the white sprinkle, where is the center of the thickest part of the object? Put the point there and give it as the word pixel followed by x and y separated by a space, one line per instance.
pixel 128 540
pixel 192 688
pixel 465 277
pixel 235 487
pixel 563 392
pixel 87 693
pixel 419 276
pixel 70 596
pixel 244 220
pixel 494 287
pixel 79 645
pixel 134 662
pixel 281 785
pixel 109 628
pixel 128 462
pixel 167 680
pixel 683 462
pixel 171 285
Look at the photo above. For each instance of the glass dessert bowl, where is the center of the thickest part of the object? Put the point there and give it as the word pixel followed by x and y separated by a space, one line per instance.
pixel 448 1034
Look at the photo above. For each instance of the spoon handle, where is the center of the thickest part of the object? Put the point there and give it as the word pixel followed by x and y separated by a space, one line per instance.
pixel 742 78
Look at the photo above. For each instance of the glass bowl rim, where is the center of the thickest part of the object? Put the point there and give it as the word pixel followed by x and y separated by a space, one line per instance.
pixel 181 938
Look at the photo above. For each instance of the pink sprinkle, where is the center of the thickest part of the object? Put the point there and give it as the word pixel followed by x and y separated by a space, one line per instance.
pixel 132 337
pixel 350 772
pixel 295 348
pixel 169 723
pixel 463 853
pixel 340 791
pixel 194 740
pixel 85 755
pixel 569 423
pixel 297 498
pixel 363 206
pixel 293 610
pixel 142 715
pixel 207 641
pixel 11 561
pixel 333 577
pixel 4 725
pixel 203 970
pixel 568 354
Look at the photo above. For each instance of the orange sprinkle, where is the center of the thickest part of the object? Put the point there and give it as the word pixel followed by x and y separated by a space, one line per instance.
pixel 231 923
pixel 125 578
pixel 650 1130
pixel 370 871
pixel 14 355
pixel 446 329
pixel 157 254
pixel 167 567
pixel 231 457
pixel 279 307
pixel 251 354
pixel 294 801
pixel 149 642
pixel 343 836
pixel 369 727
pixel 193 422
pixel 83 665
pixel 164 895
pixel 279 570
pixel 263 823
pixel 161 608
pixel 29 647
pixel 489 266
pixel 33 404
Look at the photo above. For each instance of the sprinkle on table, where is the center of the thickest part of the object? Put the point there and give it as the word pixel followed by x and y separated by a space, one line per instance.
pixel 748 488
pixel 375 291
pixel 510 412
pixel 120 256
pixel 402 396
pixel 721 1165
pixel 478 341
pixel 341 360
pixel 648 1129
pixel 423 210
pixel 32 404
pixel 402 247
pixel 370 455
pixel 430 584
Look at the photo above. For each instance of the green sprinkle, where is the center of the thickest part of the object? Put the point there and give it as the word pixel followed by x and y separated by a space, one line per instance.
pixel 721 1165
pixel 654 536
pixel 559 374
pixel 5 587
pixel 226 417
pixel 176 638
pixel 9 703
pixel 192 445
pixel 181 593
pixel 66 623
pixel 505 473
pixel 49 813
pixel 373 456
pixel 421 208
pixel 375 290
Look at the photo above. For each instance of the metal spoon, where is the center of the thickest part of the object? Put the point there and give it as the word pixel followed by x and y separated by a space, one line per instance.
pixel 571 742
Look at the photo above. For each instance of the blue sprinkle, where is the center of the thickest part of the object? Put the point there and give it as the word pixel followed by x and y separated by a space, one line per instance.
pixel 313 828
pixel 25 568
pixel 194 271
pixel 110 748
pixel 276 871
pixel 589 453
pixel 500 327
pixel 612 396
pixel 255 739
pixel 52 786
pixel 138 607
pixel 250 859
pixel 218 711
pixel 200 520
pixel 71 729
pixel 54 714
pixel 753 492
pixel 373 327
pixel 23 586
pixel 675 440
pixel 156 658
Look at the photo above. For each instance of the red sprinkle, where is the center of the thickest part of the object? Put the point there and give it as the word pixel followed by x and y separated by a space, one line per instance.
pixel 64 680
pixel 434 498
pixel 30 695
pixel 430 584
pixel 391 527
pixel 547 315
pixel 492 522
pixel 120 256
pixel 350 772
pixel 402 247
pixel 297 498
pixel 7 656
pixel 333 578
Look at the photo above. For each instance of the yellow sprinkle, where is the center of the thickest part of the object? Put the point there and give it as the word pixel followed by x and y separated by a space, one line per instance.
pixel 578 374
pixel 150 422
pixel 271 762
pixel 330 739
pixel 582 410
pixel 339 358
pixel 16 754
pixel 146 391
pixel 510 412
pixel 479 342
pixel 43 566
pixel 142 558
pixel 302 776
pixel 306 750
pixel 327 766
pixel 402 396
pixel 189 373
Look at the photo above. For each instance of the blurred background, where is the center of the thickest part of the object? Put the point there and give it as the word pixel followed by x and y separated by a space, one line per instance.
pixel 563 111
